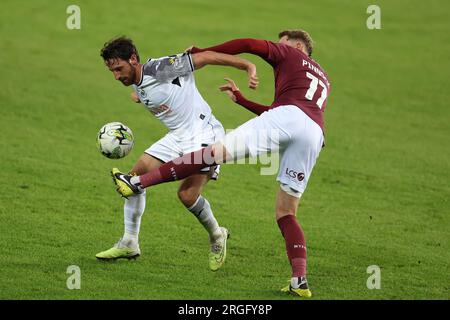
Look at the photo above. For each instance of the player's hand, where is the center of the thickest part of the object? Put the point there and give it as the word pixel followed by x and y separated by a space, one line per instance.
pixel 252 76
pixel 229 88
pixel 135 97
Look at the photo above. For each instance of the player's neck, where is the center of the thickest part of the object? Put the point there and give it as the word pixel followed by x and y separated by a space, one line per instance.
pixel 138 74
pixel 301 48
pixel 296 45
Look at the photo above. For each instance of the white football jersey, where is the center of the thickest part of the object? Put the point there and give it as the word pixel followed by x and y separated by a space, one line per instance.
pixel 167 89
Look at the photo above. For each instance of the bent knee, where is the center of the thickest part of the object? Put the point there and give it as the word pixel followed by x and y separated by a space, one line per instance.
pixel 188 196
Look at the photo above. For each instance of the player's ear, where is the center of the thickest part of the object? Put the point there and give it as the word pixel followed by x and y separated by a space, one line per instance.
pixel 133 60
pixel 299 45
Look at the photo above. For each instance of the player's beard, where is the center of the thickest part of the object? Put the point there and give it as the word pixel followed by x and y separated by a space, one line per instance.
pixel 130 78
pixel 125 81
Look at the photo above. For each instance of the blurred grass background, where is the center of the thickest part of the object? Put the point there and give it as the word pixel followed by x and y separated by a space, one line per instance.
pixel 378 195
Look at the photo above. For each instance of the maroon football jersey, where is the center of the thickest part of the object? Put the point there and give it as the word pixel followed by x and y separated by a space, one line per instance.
pixel 299 81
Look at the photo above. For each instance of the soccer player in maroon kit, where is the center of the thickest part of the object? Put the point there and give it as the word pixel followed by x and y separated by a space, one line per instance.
pixel 296 115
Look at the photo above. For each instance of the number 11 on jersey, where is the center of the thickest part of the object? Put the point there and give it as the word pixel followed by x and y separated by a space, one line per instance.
pixel 313 88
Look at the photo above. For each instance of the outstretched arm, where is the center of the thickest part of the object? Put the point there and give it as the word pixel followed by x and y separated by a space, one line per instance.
pixel 233 92
pixel 204 58
pixel 237 46
pixel 168 68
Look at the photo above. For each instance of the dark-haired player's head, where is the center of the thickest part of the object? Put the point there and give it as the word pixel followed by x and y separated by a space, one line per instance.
pixel 122 59
pixel 299 39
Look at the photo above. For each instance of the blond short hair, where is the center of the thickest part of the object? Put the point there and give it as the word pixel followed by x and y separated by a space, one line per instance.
pixel 301 35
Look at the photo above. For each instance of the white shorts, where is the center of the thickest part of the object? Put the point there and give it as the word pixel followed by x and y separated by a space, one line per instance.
pixel 287 130
pixel 174 145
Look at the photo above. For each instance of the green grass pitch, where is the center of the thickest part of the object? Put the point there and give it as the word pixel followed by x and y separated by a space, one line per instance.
pixel 379 194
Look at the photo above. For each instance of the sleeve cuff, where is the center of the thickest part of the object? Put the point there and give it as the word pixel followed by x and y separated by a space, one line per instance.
pixel 195 50
pixel 191 63
pixel 239 96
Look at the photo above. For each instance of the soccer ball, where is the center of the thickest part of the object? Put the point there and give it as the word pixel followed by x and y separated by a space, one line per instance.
pixel 115 140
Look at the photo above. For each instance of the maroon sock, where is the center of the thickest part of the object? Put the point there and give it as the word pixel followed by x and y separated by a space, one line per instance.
pixel 295 244
pixel 180 168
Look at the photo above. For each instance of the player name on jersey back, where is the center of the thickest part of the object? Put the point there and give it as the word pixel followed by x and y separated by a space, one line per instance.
pixel 314 68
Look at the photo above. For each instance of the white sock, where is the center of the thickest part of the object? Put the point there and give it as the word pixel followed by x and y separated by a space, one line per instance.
pixel 133 210
pixel 202 211
pixel 296 282
pixel 136 180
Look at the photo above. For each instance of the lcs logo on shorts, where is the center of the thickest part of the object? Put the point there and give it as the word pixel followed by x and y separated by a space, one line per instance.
pixel 294 174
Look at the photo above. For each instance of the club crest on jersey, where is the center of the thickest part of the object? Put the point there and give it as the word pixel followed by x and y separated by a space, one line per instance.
pixel 142 93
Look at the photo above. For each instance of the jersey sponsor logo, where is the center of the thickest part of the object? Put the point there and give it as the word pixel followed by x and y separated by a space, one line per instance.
pixel 159 111
pixel 295 174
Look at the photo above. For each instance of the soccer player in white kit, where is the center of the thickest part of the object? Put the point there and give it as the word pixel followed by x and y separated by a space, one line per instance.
pixel 296 115
pixel 166 87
